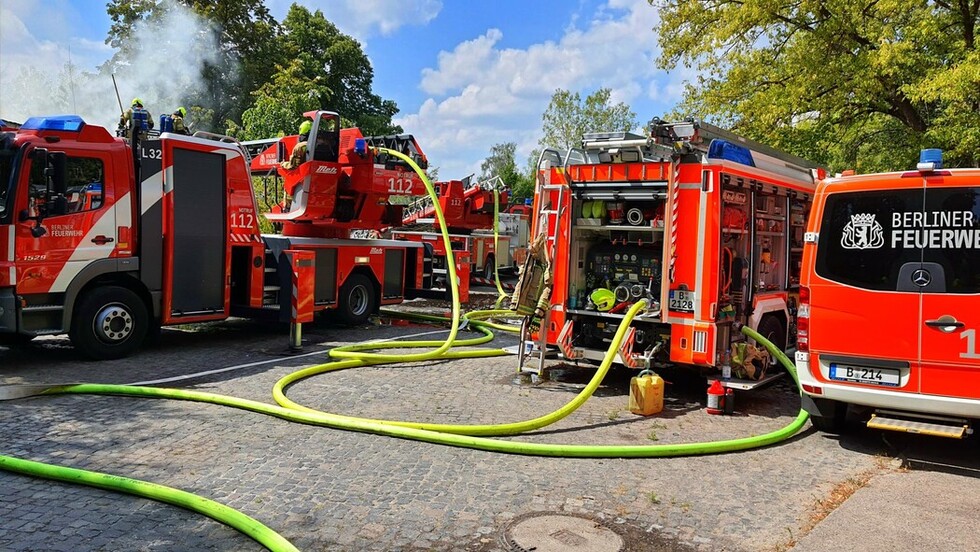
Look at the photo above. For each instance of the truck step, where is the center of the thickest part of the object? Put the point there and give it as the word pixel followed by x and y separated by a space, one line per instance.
pixel 43 308
pixel 952 429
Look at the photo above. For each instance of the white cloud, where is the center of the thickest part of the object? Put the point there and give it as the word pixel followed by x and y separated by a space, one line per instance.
pixel 481 94
pixel 365 18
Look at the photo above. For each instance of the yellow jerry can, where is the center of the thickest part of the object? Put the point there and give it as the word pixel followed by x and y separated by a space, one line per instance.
pixel 646 393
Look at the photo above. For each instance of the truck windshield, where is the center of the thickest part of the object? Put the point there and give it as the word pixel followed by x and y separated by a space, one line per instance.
pixel 8 162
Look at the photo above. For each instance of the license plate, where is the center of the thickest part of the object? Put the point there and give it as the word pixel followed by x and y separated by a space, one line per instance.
pixel 864 374
pixel 681 300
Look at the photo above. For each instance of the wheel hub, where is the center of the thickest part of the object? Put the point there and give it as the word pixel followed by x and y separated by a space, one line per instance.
pixel 358 300
pixel 113 324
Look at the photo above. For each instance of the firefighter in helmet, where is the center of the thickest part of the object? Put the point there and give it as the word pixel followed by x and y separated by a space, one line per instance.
pixel 178 117
pixel 136 117
pixel 298 155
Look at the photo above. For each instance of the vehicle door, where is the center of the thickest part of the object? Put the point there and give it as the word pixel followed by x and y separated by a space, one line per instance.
pixel 78 228
pixel 950 320
pixel 864 309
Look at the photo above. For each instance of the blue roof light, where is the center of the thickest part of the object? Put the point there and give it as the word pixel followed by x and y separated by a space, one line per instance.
pixel 66 123
pixel 930 160
pixel 723 149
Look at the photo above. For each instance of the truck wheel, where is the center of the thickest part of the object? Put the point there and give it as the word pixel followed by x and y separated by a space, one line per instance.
pixel 357 300
pixel 771 328
pixel 833 422
pixel 488 267
pixel 109 323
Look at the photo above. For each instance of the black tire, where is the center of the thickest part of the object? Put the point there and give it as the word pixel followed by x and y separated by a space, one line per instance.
pixel 109 322
pixel 488 268
pixel 771 328
pixel 357 301
pixel 832 423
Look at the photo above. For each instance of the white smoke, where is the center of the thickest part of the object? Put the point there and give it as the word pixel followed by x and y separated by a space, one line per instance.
pixel 162 68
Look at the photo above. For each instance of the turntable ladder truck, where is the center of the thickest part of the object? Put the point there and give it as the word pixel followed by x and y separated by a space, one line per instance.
pixel 108 239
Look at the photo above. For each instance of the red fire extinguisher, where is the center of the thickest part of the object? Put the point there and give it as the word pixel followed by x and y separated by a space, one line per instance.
pixel 716 398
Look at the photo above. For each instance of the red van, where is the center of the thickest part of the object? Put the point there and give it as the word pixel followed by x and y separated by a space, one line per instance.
pixel 890 300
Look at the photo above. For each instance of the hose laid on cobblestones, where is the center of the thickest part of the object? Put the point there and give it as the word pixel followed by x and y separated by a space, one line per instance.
pixel 225 514
pixel 161 493
pixel 467 441
pixel 469 436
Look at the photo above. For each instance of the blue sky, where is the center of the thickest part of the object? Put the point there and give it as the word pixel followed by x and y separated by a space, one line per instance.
pixel 466 74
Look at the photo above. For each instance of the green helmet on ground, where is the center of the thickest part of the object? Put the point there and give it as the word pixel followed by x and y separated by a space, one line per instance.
pixel 305 126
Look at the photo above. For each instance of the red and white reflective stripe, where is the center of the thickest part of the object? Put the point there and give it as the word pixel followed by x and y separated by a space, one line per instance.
pixel 295 296
pixel 674 201
pixel 244 238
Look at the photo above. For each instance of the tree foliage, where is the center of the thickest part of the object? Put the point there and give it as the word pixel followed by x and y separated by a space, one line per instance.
pixel 850 83
pixel 264 73
pixel 567 118
pixel 322 69
pixel 501 163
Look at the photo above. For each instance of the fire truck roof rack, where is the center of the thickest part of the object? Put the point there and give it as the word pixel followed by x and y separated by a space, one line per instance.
pixel 715 143
pixel 226 139
pixel 256 147
pixel 617 147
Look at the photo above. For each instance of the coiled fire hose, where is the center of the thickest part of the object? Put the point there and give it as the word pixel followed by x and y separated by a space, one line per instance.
pixel 468 436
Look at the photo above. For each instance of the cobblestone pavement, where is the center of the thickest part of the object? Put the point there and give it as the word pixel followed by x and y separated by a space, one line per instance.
pixel 327 489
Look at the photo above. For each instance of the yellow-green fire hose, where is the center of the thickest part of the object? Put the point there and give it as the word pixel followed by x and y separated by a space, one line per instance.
pixel 469 436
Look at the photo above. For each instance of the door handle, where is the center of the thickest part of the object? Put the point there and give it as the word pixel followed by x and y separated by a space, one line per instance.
pixel 945 323
pixel 102 240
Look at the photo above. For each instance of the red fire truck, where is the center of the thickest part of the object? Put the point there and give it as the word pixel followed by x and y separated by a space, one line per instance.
pixel 108 239
pixel 469 212
pixel 705 225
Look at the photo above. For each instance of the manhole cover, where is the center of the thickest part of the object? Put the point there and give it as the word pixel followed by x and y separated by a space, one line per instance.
pixel 560 533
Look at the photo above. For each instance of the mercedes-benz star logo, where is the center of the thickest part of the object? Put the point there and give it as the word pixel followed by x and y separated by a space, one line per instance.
pixel 921 278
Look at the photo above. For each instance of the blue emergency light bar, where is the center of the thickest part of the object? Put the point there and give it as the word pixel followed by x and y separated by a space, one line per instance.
pixel 65 123
pixel 723 149
pixel 930 160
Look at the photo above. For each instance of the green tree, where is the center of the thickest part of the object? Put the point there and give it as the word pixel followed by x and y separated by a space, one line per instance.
pixel 501 163
pixel 323 69
pixel 850 83
pixel 567 118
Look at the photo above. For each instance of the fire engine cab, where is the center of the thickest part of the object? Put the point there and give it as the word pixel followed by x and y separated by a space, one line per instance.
pixel 107 240
pixel 705 225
